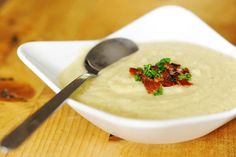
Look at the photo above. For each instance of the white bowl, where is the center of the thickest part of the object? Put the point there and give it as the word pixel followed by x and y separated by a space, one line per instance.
pixel 48 59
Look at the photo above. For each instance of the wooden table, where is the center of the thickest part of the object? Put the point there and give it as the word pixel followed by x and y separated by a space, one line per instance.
pixel 66 133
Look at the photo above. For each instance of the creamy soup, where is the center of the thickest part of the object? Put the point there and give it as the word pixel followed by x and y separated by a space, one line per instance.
pixel 115 91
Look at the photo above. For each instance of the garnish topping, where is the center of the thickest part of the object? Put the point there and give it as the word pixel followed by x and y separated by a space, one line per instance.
pixel 163 74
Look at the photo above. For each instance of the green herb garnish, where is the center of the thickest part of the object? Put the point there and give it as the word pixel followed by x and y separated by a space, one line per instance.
pixel 165 60
pixel 155 73
pixel 151 73
pixel 147 71
pixel 161 64
pixel 147 67
pixel 186 76
pixel 137 77
pixel 159 91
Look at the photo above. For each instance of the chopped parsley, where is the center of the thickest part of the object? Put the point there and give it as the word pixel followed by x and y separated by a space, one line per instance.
pixel 149 72
pixel 165 60
pixel 161 63
pixel 137 77
pixel 159 91
pixel 186 76
pixel 155 73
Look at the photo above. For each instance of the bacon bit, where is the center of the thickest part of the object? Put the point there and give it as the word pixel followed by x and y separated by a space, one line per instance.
pixel 172 66
pixel 185 70
pixel 134 71
pixel 176 66
pixel 151 85
pixel 184 82
pixel 158 79
pixel 167 83
pixel 165 74
pixel 154 68
pixel 168 66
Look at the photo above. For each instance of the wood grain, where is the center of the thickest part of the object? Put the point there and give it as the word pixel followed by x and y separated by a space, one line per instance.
pixel 66 133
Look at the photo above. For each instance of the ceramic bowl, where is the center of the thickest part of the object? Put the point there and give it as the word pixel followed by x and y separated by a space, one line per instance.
pixel 48 59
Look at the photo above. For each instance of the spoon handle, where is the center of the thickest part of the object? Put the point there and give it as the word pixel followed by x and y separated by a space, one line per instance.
pixel 26 128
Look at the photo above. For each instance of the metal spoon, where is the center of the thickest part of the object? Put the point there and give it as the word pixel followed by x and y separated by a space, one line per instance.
pixel 100 56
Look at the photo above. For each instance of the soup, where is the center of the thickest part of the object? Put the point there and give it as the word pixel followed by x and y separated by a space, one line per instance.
pixel 116 91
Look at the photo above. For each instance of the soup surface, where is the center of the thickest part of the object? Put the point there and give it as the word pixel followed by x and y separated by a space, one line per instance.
pixel 115 91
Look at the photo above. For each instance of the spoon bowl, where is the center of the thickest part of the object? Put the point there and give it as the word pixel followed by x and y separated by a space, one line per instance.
pixel 108 52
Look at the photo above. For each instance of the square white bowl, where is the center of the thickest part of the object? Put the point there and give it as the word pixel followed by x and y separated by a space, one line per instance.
pixel 49 59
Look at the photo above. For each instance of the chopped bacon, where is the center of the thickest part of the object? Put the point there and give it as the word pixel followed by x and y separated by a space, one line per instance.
pixel 176 66
pixel 185 70
pixel 134 71
pixel 158 79
pixel 143 77
pixel 151 85
pixel 167 77
pixel 154 68
pixel 184 82
pixel 169 66
pixel 167 83
pixel 172 66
